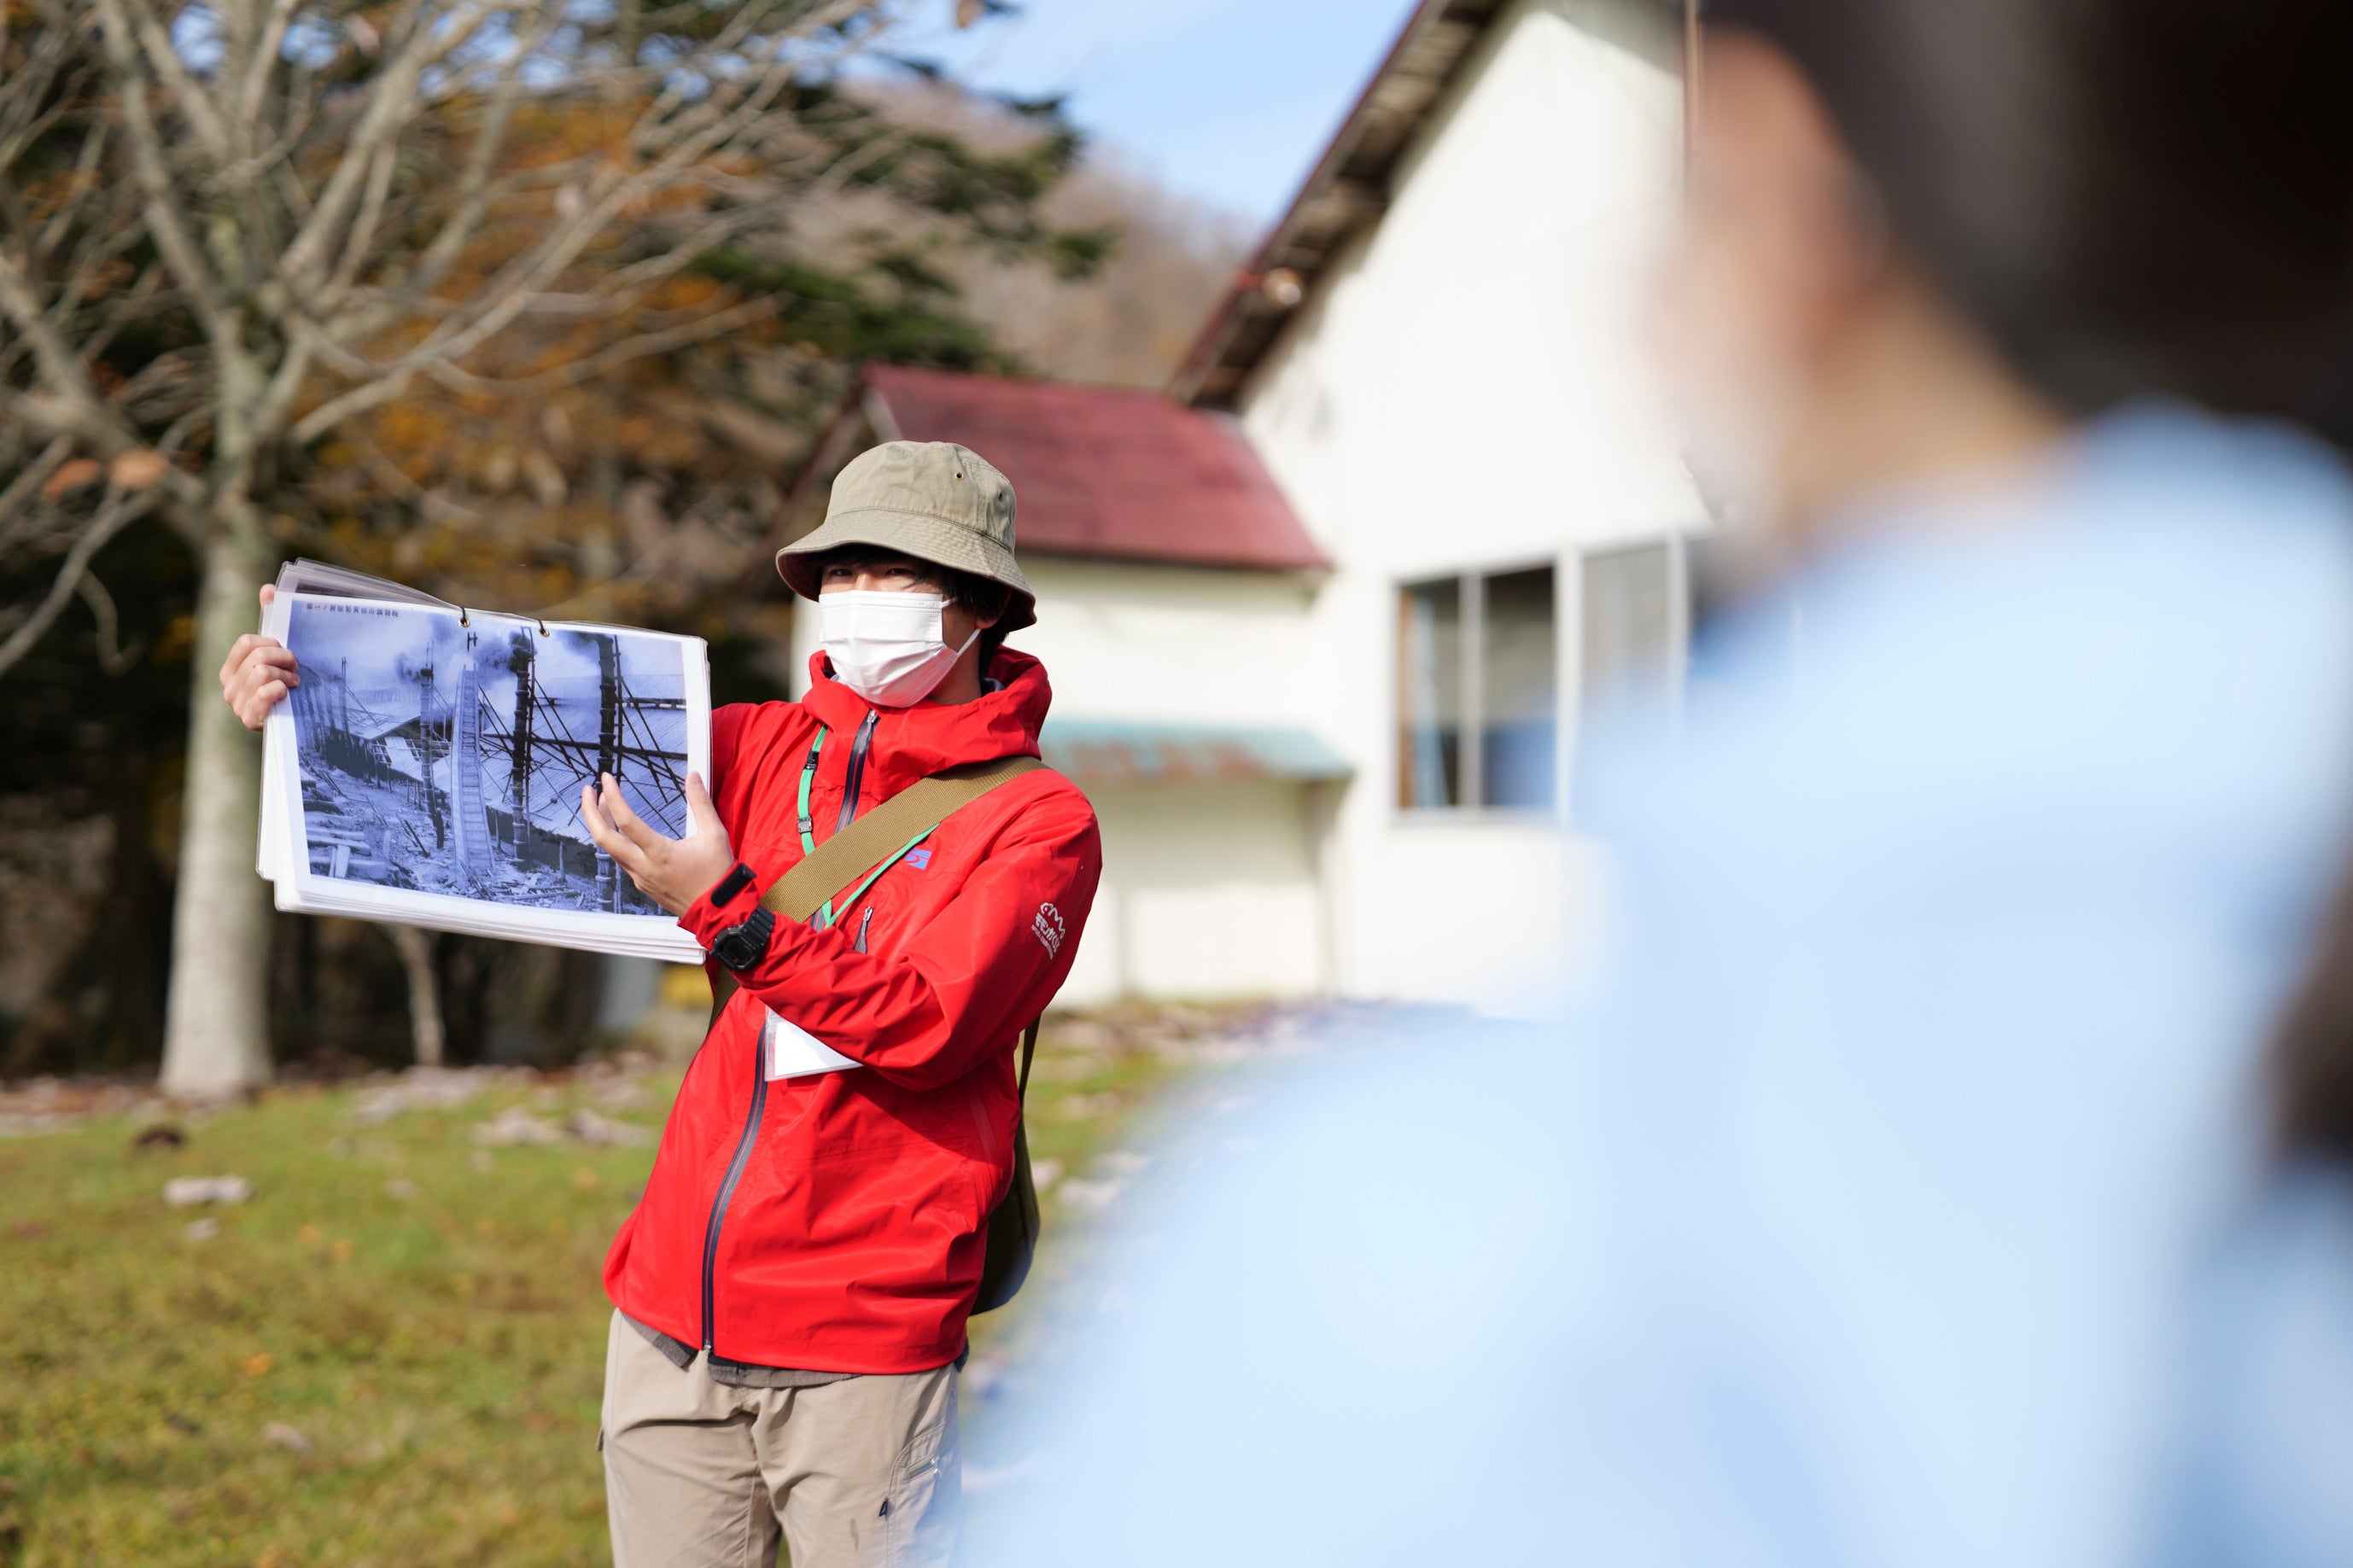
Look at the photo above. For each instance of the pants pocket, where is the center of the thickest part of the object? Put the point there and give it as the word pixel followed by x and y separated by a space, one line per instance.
pixel 922 1510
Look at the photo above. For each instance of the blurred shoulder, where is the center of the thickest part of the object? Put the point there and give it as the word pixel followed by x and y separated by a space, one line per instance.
pixel 1466 1133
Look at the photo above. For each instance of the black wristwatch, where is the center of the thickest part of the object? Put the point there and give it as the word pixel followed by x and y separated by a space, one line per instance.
pixel 739 947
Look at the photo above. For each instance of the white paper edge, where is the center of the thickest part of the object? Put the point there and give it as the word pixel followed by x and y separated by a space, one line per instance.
pixel 277 734
pixel 321 580
pixel 698 731
pixel 791 1051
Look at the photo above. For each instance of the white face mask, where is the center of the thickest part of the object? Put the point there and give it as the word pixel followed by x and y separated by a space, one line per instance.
pixel 887 648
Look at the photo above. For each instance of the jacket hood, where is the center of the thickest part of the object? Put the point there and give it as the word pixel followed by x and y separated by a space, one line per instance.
pixel 910 742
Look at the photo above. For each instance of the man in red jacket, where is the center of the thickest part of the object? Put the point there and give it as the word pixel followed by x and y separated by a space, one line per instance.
pixel 792 1289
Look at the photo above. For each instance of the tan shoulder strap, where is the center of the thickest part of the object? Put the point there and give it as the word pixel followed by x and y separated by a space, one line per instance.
pixel 861 846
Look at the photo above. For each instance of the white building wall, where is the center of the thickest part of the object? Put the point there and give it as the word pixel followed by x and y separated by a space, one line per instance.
pixel 1209 890
pixel 1467 390
pixel 1172 645
pixel 1141 643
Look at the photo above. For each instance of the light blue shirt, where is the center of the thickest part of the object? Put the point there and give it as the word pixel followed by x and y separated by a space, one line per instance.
pixel 1904 1203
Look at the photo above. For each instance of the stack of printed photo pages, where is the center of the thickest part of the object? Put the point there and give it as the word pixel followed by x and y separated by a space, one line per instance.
pixel 428 769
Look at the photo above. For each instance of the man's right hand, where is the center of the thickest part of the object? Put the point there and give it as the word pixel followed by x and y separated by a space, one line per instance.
pixel 258 671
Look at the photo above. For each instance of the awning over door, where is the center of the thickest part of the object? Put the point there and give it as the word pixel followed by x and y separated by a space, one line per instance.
pixel 1109 754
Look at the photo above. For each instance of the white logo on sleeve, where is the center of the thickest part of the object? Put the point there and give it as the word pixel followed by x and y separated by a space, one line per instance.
pixel 1049 927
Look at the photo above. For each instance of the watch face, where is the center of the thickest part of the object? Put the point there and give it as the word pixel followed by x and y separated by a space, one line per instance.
pixel 740 946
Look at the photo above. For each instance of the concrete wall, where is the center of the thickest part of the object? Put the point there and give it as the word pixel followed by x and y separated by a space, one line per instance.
pixel 1467 391
pixel 1209 890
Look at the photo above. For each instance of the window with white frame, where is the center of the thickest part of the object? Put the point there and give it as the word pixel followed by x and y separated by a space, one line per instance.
pixel 1630 623
pixel 1478 696
pixel 1479 703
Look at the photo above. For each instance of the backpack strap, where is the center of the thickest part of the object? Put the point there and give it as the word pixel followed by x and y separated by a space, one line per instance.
pixel 921 806
pixel 868 840
pixel 1015 1222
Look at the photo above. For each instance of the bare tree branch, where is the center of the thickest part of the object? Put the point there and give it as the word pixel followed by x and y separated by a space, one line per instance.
pixel 255 92
pixel 33 475
pixel 509 294
pixel 86 172
pixel 165 60
pixel 113 656
pixel 388 473
pixel 101 246
pixel 285 386
pixel 391 103
pixel 359 400
pixel 703 330
pixel 358 243
pixel 61 369
pixel 166 221
pixel 117 512
pixel 474 184
pixel 144 300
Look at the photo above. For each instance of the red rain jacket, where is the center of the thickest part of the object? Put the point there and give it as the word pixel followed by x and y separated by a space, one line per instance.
pixel 852 1238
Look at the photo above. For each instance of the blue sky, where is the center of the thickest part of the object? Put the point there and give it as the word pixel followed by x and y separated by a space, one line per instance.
pixel 1227 101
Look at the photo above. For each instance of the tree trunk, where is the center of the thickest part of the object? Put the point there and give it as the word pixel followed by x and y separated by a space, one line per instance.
pixel 416 948
pixel 216 1021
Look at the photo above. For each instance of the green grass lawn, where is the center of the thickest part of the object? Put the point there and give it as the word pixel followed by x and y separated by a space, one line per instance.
pixel 422 1315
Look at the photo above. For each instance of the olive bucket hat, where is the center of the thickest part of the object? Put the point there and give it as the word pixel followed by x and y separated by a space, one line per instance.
pixel 935 500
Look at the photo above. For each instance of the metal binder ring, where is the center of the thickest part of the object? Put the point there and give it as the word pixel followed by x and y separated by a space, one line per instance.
pixel 542 627
pixel 461 615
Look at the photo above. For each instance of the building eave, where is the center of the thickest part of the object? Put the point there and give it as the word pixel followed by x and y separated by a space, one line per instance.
pixel 1350 188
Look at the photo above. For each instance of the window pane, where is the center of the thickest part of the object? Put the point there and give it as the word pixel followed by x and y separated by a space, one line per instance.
pixel 1429 694
pixel 1517 684
pixel 1629 624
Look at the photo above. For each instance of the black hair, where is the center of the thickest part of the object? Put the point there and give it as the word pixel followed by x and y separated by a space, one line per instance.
pixel 2127 197
pixel 968 590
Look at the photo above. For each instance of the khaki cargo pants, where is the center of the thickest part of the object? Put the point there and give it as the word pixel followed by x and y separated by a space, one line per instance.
pixel 698 1475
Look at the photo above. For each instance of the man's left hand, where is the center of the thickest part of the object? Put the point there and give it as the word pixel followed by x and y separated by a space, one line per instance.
pixel 673 873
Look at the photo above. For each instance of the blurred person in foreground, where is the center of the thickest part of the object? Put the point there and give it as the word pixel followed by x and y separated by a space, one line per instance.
pixel 1914 1199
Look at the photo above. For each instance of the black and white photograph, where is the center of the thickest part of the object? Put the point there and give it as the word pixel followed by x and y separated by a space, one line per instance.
pixel 442 752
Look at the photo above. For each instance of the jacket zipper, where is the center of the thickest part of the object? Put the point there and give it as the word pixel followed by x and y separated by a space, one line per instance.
pixel 855 774
pixel 727 1185
pixel 751 1132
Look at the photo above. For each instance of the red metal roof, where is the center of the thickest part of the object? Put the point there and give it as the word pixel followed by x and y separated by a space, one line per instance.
pixel 1103 471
